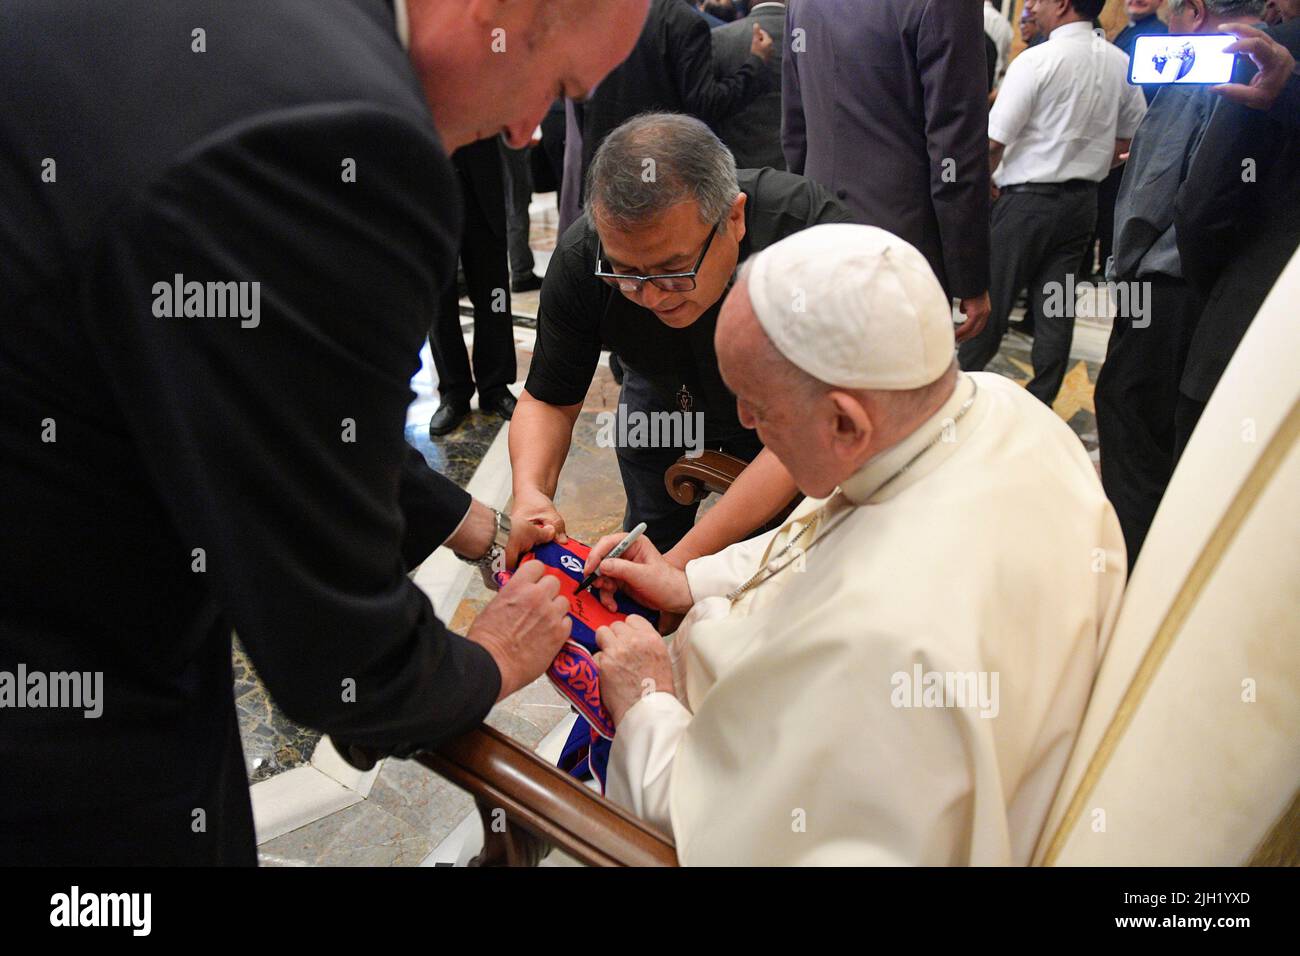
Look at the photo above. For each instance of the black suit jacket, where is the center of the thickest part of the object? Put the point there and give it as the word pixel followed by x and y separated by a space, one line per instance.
pixel 670 69
pixel 887 105
pixel 206 475
pixel 1236 236
pixel 753 132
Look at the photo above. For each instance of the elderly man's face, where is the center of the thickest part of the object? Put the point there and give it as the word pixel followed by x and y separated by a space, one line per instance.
pixel 491 68
pixel 672 243
pixel 817 445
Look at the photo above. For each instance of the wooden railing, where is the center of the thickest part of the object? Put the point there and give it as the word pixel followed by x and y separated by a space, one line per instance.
pixel 527 805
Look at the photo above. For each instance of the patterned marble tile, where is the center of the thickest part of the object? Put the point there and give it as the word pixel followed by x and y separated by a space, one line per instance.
pixel 426 804
pixel 1074 404
pixel 272 742
pixel 363 834
pixel 456 455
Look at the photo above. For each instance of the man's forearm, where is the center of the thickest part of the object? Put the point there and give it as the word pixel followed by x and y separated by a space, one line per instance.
pixel 1121 153
pixel 540 435
pixel 763 489
pixel 996 150
pixel 476 532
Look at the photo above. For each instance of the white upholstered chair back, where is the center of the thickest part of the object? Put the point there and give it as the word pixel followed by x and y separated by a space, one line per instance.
pixel 1190 749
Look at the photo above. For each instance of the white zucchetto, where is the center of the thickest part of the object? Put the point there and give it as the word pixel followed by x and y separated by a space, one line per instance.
pixel 853 306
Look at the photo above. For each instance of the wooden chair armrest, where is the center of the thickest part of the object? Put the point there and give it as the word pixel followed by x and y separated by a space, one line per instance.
pixel 526 803
pixel 690 480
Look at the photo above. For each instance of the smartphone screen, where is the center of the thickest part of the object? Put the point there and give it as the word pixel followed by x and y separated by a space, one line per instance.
pixel 1181 58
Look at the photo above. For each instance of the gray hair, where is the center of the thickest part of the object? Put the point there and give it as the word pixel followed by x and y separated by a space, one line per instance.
pixel 655 161
pixel 1244 8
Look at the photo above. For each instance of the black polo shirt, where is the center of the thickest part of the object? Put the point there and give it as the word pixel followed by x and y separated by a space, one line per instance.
pixel 580 314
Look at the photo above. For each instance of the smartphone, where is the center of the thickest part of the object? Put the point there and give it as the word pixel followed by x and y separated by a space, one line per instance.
pixel 1181 58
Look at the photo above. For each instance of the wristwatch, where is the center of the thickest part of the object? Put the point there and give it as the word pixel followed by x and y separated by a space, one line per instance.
pixel 494 559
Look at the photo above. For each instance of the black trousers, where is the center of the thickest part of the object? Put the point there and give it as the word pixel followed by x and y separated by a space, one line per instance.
pixel 1137 404
pixel 519 193
pixel 1105 232
pixel 642 469
pixel 483 257
pixel 1038 241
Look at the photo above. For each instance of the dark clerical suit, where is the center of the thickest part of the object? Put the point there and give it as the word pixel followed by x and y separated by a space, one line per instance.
pixel 669 70
pixel 1237 227
pixel 886 104
pixel 167 477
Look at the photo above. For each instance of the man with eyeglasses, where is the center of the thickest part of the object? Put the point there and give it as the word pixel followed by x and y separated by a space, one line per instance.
pixel 643 273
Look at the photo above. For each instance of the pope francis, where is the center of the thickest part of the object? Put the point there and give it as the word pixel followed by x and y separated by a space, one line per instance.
pixel 897 675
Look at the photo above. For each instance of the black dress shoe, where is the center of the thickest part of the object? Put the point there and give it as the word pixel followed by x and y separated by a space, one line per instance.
pixel 502 405
pixel 448 417
pixel 526 283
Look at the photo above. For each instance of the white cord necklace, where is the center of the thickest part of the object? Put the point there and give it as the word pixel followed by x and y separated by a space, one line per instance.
pixel 775 566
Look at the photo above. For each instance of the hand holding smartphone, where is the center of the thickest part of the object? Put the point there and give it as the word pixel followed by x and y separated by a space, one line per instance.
pixel 1194 58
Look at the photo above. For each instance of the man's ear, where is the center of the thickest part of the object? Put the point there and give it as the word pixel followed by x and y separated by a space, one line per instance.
pixel 853 427
pixel 736 217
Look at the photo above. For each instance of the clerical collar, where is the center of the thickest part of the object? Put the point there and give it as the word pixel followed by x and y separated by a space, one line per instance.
pixel 941 428
pixel 403 23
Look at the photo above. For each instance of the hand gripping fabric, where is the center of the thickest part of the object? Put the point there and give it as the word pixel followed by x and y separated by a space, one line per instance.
pixel 573 671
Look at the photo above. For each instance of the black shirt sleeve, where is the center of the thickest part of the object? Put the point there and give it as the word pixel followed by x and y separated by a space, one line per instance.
pixel 276 444
pixel 568 322
pixel 781 203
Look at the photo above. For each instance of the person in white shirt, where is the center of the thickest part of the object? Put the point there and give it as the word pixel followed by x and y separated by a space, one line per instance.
pixel 998 28
pixel 1064 114
pixel 897 675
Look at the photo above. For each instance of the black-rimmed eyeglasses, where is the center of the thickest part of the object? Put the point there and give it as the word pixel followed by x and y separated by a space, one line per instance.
pixel 669 282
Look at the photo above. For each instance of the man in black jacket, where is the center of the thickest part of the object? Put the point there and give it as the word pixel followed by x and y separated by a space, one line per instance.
pixel 1137 389
pixel 671 70
pixel 753 132
pixel 225 233
pixel 1236 217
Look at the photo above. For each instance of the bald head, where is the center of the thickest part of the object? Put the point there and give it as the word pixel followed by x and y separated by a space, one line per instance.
pixel 489 67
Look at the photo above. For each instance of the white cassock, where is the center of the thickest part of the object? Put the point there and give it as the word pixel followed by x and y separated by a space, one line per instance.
pixel 801 736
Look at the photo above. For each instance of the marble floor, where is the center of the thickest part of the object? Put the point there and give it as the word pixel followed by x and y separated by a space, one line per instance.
pixel 408 812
